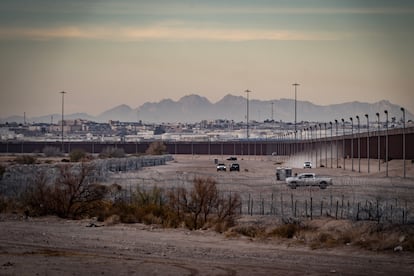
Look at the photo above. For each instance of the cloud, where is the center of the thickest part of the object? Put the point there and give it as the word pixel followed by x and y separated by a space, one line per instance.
pixel 159 32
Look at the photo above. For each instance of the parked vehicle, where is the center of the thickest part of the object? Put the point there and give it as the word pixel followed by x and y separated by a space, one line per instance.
pixel 221 167
pixel 283 173
pixel 307 165
pixel 308 179
pixel 232 158
pixel 235 167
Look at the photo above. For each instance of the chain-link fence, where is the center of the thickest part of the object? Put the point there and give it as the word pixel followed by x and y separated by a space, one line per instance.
pixel 356 198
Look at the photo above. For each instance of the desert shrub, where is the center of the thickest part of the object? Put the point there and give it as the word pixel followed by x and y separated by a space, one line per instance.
pixel 50 151
pixel 203 200
pixel 77 155
pixel 127 212
pixel 203 204
pixel 74 195
pixel 104 213
pixel 111 152
pixel 200 206
pixel 150 205
pixel 70 196
pixel 10 205
pixel 249 231
pixel 143 206
pixel 286 231
pixel 228 208
pixel 2 171
pixel 4 204
pixel 38 196
pixel 324 240
pixel 156 148
pixel 25 159
pixel 194 207
pixel 384 237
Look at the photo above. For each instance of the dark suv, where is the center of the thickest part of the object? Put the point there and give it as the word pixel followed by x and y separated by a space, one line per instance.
pixel 235 167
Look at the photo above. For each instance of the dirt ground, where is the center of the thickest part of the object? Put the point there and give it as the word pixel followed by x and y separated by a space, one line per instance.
pixel 52 246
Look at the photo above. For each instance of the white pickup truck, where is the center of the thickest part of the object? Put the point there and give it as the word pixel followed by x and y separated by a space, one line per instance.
pixel 308 179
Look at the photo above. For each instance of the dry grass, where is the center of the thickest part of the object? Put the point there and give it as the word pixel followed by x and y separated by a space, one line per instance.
pixel 250 231
pixel 329 233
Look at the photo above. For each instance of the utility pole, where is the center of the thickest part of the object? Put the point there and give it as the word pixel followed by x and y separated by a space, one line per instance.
pixel 330 123
pixel 295 85
pixel 379 142
pixel 359 146
pixel 386 143
pixel 336 143
pixel 366 115
pixel 352 143
pixel 403 111
pixel 247 91
pixel 63 102
pixel 343 140
pixel 272 110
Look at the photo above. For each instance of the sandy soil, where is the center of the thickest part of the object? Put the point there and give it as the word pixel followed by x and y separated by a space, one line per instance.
pixel 51 246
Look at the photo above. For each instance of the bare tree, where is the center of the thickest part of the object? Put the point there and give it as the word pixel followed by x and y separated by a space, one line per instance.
pixel 38 196
pixel 73 194
pixel 228 208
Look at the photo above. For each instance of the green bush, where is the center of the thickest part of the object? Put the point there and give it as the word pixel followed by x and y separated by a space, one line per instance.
pixel 77 155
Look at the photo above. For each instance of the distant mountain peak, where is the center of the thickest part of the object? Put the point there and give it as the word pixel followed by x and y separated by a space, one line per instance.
pixel 229 98
pixel 194 108
pixel 193 99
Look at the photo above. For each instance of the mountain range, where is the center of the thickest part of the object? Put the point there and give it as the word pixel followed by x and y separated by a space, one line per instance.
pixel 194 108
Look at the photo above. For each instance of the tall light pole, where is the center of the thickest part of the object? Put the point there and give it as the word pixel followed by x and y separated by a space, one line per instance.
pixel 336 142
pixel 403 111
pixel 247 91
pixel 352 143
pixel 295 85
pixel 63 104
pixel 326 148
pixel 308 145
pixel 272 111
pixel 386 142
pixel 379 142
pixel 320 145
pixel 311 144
pixel 359 147
pixel 366 115
pixel 343 140
pixel 316 146
pixel 330 123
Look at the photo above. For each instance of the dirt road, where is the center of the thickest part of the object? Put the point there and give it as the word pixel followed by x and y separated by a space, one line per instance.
pixel 51 246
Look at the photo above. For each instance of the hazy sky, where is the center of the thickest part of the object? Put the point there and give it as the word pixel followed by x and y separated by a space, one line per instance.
pixel 106 53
